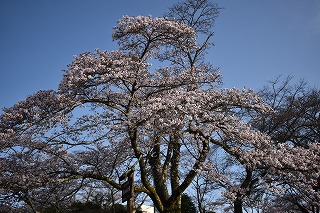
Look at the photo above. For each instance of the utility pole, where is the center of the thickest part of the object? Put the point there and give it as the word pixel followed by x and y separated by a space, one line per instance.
pixel 130 202
pixel 128 190
pixel 128 187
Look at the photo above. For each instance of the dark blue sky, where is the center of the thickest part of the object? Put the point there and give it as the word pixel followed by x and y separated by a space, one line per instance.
pixel 255 40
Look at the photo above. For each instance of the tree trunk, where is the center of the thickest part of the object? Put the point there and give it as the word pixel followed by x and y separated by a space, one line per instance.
pixel 246 184
pixel 237 206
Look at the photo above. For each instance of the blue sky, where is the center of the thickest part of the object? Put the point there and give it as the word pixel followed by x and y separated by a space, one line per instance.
pixel 255 40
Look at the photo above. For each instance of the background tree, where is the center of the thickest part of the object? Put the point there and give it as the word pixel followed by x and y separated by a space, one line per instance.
pixel 294 124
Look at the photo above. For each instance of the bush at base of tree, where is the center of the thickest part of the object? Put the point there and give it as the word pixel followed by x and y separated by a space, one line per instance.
pixel 87 207
pixel 187 205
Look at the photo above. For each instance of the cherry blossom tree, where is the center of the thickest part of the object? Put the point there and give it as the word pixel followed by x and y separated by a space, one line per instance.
pixel 152 106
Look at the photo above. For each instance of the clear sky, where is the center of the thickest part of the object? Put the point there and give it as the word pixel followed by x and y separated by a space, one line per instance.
pixel 255 40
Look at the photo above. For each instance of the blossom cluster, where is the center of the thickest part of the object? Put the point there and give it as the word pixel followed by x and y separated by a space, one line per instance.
pixel 103 67
pixel 35 115
pixel 143 33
